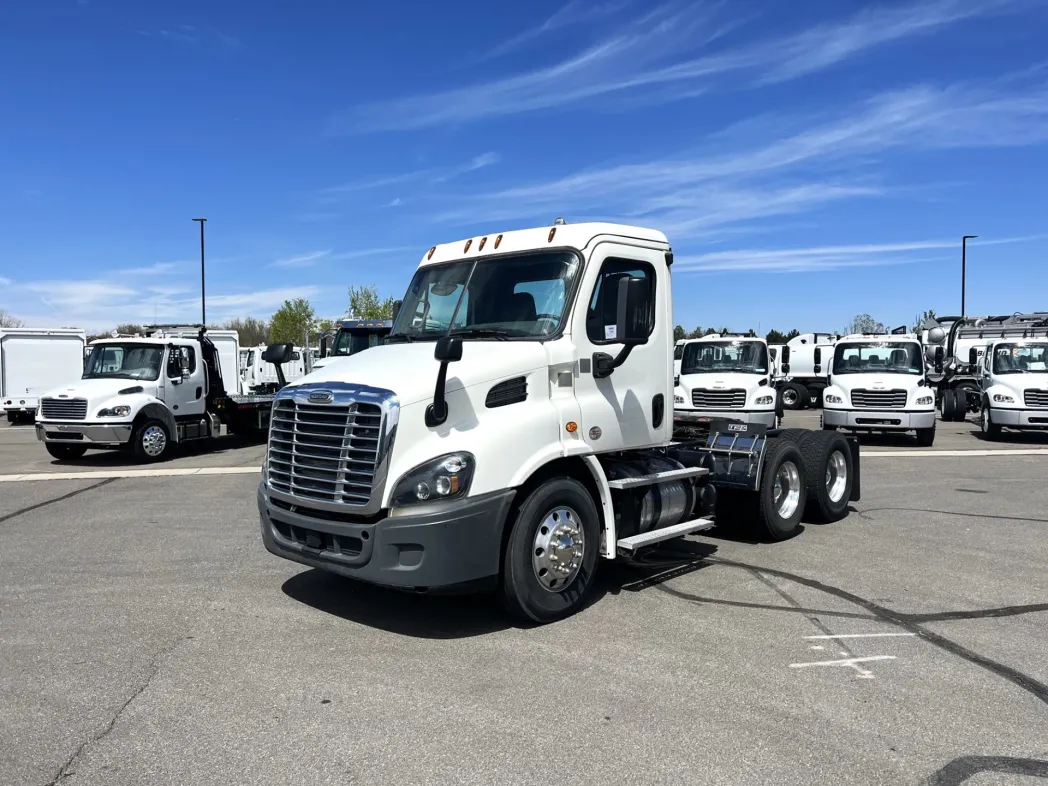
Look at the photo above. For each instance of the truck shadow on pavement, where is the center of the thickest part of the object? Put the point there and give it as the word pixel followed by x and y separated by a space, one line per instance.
pixel 101 459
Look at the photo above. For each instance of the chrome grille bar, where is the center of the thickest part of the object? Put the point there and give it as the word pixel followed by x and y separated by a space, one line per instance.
pixel 879 399
pixel 64 408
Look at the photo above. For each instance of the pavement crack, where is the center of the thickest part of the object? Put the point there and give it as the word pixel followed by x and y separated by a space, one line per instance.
pixel 865 514
pixel 978 614
pixel 64 770
pixel 45 503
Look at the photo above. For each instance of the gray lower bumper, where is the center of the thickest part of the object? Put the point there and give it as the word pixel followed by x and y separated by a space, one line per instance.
pixel 701 417
pixel 1020 418
pixel 84 433
pixel 457 548
pixel 887 420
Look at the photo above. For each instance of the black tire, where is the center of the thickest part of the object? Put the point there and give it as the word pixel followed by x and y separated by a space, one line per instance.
pixel 960 412
pixel 946 406
pixel 149 444
pixel 12 418
pixel 65 452
pixel 830 473
pixel 793 435
pixel 522 592
pixel 926 437
pixel 793 396
pixel 785 456
pixel 990 430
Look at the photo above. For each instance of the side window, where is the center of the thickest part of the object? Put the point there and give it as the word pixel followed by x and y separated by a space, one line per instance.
pixel 174 367
pixel 602 313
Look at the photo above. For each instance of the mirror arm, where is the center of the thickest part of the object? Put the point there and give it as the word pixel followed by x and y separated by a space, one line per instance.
pixel 437 411
pixel 604 364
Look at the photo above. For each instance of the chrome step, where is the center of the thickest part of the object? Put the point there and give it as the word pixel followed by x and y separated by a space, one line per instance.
pixel 658 477
pixel 635 542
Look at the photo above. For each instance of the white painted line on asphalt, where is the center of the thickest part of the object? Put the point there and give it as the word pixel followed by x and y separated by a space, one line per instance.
pixel 131 473
pixel 860 636
pixel 952 453
pixel 842 662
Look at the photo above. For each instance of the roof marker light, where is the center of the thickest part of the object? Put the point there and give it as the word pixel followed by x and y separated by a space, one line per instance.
pixel 468 244
pixel 483 240
pixel 552 232
pixel 430 254
pixel 498 240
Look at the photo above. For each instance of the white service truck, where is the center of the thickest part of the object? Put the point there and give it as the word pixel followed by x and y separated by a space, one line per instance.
pixel 879 382
pixel 725 377
pixel 150 393
pixel 516 429
pixel 1014 385
pixel 33 360
pixel 260 376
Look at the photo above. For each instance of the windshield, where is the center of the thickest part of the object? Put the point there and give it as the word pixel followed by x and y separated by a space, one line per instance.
pixel 124 361
pixel 678 352
pixel 1020 359
pixel 885 357
pixel 522 296
pixel 710 357
pixel 350 343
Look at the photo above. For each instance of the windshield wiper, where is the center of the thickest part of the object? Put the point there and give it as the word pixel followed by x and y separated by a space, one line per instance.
pixel 495 333
pixel 396 338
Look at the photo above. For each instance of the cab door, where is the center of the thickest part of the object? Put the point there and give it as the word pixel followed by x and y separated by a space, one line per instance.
pixel 632 407
pixel 184 395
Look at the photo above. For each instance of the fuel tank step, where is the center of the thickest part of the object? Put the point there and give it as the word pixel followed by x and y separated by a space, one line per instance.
pixel 666 476
pixel 635 542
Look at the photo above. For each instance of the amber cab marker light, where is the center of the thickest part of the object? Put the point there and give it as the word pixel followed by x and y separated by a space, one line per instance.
pixel 552 232
pixel 571 426
pixel 498 240
pixel 483 240
pixel 468 244
pixel 430 254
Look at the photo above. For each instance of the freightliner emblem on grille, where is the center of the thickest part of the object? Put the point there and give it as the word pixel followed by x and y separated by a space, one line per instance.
pixel 321 397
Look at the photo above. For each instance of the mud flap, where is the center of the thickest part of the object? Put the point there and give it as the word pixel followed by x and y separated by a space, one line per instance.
pixel 856 492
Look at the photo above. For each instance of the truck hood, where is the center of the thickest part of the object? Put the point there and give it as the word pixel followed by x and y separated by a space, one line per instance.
pixel 876 381
pixel 727 380
pixel 99 389
pixel 410 371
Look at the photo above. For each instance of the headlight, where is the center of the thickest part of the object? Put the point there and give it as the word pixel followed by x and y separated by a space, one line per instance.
pixel 678 399
pixel 444 477
pixel 925 400
pixel 764 400
pixel 832 399
pixel 114 412
pixel 1000 398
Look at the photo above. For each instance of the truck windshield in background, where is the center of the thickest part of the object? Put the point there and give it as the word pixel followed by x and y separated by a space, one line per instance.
pixel 522 296
pixel 883 357
pixel 124 361
pixel 1020 359
pixel 349 342
pixel 710 357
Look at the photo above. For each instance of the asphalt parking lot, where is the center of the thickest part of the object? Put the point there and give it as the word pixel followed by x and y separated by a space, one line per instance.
pixel 147 637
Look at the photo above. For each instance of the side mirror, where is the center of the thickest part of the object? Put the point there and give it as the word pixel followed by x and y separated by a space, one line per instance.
pixel 631 323
pixel 784 364
pixel 818 360
pixel 278 354
pixel 396 308
pixel 447 350
pixel 323 346
pixel 939 356
pixel 973 355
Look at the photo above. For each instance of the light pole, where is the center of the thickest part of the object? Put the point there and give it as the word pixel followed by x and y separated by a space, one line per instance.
pixel 203 306
pixel 964 266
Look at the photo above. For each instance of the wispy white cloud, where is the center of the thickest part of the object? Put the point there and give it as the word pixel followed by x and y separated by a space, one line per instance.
pixel 430 175
pixel 655 59
pixel 193 34
pixel 568 15
pixel 361 253
pixel 302 260
pixel 5 282
pixel 156 269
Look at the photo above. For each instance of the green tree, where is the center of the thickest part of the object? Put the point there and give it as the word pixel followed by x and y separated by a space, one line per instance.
pixel 864 323
pixel 365 303
pixel 252 331
pixel 9 320
pixel 130 329
pixel 291 322
pixel 778 337
pixel 920 320
pixel 679 333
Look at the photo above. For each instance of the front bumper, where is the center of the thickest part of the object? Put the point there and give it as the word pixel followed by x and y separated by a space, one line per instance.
pixel 91 434
pixel 457 548
pixel 1020 418
pixel 702 417
pixel 886 420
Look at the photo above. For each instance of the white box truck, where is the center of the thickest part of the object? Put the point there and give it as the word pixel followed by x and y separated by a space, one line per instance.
pixel 1014 385
pixel 516 429
pixel 33 360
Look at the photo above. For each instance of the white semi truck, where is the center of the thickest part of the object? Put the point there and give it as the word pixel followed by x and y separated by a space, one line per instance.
pixel 800 385
pixel 1013 385
pixel 147 394
pixel 879 382
pixel 515 429
pixel 725 377
pixel 33 360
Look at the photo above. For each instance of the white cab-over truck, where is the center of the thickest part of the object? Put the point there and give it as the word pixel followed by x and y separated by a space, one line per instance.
pixel 515 429
pixel 725 377
pixel 33 360
pixel 798 383
pixel 879 382
pixel 148 394
pixel 1014 382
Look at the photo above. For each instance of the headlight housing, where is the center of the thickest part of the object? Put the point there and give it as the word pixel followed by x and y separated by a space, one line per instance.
pixel 115 412
pixel 1001 398
pixel 678 399
pixel 764 400
pixel 445 477
pixel 830 398
pixel 922 400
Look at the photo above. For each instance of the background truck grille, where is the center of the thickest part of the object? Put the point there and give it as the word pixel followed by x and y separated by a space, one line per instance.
pixel 64 408
pixel 879 399
pixel 324 452
pixel 1036 398
pixel 718 399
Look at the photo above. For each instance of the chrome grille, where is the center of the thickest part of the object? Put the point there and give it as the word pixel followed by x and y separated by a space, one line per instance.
pixel 718 399
pixel 324 452
pixel 879 399
pixel 1036 398
pixel 64 408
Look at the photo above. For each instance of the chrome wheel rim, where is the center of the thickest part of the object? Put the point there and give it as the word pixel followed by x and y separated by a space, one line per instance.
pixel 836 476
pixel 789 397
pixel 154 440
pixel 786 495
pixel 986 419
pixel 557 552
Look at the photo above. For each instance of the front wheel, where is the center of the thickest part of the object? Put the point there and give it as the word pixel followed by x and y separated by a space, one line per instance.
pixel 151 442
pixel 793 396
pixel 926 437
pixel 65 452
pixel 551 555
pixel 990 430
pixel 781 496
pixel 947 404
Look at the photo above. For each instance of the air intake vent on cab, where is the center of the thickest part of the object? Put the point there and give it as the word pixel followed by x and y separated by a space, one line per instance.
pixel 510 391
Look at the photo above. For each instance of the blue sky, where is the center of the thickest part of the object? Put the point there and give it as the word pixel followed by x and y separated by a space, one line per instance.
pixel 809 161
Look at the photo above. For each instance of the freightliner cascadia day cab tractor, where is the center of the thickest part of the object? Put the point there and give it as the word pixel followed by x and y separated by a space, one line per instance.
pixel 725 377
pixel 879 382
pixel 148 394
pixel 515 429
pixel 352 336
pixel 1014 379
